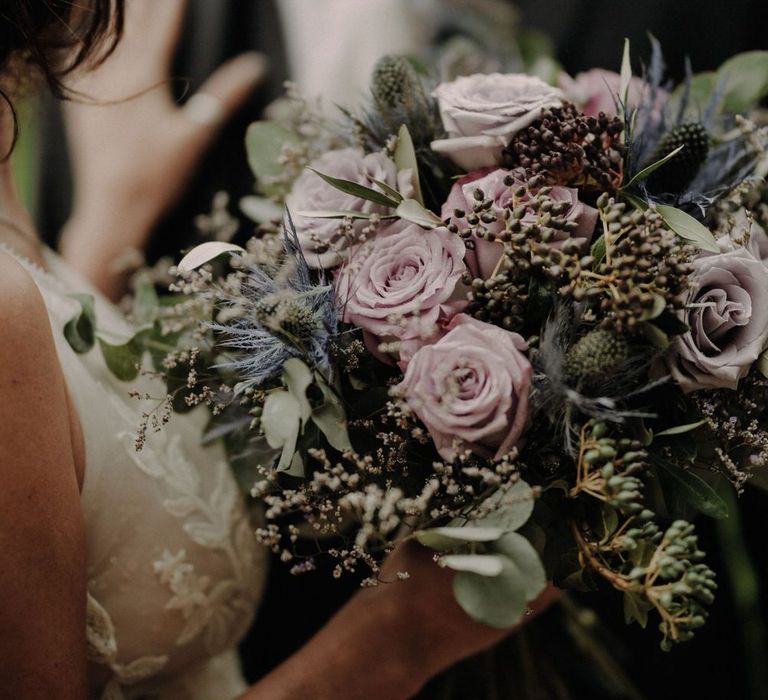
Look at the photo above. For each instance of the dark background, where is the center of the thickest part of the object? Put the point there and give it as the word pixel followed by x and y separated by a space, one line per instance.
pixel 555 658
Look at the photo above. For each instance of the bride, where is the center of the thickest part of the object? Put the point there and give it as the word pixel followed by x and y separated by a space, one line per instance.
pixel 134 574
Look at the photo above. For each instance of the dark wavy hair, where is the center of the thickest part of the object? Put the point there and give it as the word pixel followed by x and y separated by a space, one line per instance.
pixel 57 36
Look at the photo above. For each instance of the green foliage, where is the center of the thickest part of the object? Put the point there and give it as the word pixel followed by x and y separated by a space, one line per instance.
pixel 685 226
pixel 745 77
pixel 264 143
pixel 684 486
pixel 80 331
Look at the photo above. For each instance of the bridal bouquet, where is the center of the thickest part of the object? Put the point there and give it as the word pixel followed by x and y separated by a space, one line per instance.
pixel 523 324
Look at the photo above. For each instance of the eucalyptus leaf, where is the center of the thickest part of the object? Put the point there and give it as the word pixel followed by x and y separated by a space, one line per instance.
pixel 205 252
pixel 483 565
pixel 264 141
pixel 260 209
pixel 745 77
pixel 124 361
pixel 405 159
pixel 411 210
pixel 145 301
pixel 685 226
pixel 700 90
pixel 281 419
pixel 680 429
pixel 297 378
pixel 511 509
pixel 521 552
pixel 498 601
pixel 446 538
pixel 331 417
pixel 80 331
pixel 645 172
pixel 357 190
pixel 693 490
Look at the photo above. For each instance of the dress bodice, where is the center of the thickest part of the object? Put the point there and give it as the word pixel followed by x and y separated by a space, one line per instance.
pixel 174 571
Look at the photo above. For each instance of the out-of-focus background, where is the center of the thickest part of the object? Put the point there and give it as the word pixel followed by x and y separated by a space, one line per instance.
pixel 327 47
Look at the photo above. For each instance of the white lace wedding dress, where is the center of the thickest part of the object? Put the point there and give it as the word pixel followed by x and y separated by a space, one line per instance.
pixel 174 572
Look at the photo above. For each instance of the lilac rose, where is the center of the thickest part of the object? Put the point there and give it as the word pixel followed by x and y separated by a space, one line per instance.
pixel 324 242
pixel 402 286
pixel 482 112
pixel 727 314
pixel 470 388
pixel 484 258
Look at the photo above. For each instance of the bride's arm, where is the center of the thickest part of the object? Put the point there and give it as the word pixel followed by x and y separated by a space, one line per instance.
pixel 387 641
pixel 42 585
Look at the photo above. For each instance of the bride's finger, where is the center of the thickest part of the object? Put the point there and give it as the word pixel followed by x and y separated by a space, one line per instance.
pixel 222 94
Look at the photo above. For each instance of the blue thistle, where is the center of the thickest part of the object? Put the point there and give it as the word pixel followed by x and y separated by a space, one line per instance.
pixel 282 313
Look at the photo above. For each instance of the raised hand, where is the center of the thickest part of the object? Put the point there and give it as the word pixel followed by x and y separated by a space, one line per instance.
pixel 133 148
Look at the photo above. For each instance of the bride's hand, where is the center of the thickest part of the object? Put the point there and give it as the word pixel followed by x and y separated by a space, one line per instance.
pixel 387 641
pixel 133 149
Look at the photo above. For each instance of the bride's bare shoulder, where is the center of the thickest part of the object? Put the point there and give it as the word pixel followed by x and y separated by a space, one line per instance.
pixel 23 316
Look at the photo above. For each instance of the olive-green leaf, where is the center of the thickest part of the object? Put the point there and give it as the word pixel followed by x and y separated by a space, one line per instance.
pixel 205 252
pixel 405 159
pixel 357 190
pixel 645 172
pixel 693 490
pixel 680 429
pixel 145 301
pixel 685 226
pixel 762 364
pixel 297 378
pixel 331 418
pixel 124 361
pixel 80 331
pixel 411 210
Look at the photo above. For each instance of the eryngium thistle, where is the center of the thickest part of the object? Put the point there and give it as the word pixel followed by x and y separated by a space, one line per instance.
pixel 394 82
pixel 595 357
pixel 286 315
pixel 678 172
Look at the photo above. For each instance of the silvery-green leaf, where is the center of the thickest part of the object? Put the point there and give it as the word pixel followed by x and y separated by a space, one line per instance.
pixel 264 143
pixel 281 419
pixel 145 301
pixel 297 377
pixel 260 209
pixel 659 304
pixel 512 508
pixel 498 601
pixel 625 77
pixel 762 364
pixel 654 335
pixel 521 552
pixel 205 252
pixel 688 486
pixel 405 159
pixel 478 564
pixel 680 429
pixel 411 210
pixel 598 250
pixel 80 331
pixel 685 226
pixel 444 538
pixel 745 77
pixel 645 172
pixel 699 93
pixel 357 190
pixel 331 418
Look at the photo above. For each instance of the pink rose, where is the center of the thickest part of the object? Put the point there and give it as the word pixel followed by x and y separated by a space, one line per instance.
pixel 470 388
pixel 482 261
pixel 482 112
pixel 402 286
pixel 322 240
pixel 597 90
